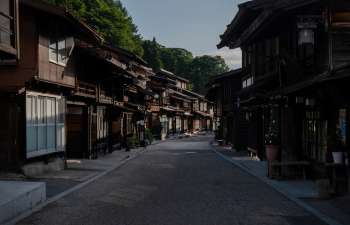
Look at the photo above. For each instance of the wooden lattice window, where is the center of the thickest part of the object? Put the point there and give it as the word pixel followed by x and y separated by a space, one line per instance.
pixel 8 26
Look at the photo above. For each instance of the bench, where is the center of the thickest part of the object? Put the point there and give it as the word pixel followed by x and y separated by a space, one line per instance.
pixel 301 164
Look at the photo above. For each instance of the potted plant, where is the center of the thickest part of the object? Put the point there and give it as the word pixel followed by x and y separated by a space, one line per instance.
pixel 337 147
pixel 272 142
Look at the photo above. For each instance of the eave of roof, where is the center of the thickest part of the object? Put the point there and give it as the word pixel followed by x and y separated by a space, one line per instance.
pixel 165 79
pixel 64 14
pixel 181 95
pixel 126 53
pixel 214 82
pixel 170 74
pixel 271 10
pixel 194 94
pixel 228 74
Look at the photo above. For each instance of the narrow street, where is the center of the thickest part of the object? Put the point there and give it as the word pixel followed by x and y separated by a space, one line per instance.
pixel 176 182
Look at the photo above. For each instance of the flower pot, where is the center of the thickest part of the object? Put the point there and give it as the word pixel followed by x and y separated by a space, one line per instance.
pixel 338 157
pixel 271 152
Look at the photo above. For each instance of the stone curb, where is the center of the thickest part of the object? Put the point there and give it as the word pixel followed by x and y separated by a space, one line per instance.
pixel 75 188
pixel 308 208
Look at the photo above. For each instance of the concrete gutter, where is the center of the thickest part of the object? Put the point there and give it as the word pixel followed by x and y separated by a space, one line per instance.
pixel 18 197
pixel 324 218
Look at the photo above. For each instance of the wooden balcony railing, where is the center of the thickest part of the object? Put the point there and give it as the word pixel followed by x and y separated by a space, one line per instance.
pixel 105 98
pixel 86 89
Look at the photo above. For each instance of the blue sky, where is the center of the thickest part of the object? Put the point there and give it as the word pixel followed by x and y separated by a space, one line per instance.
pixel 191 24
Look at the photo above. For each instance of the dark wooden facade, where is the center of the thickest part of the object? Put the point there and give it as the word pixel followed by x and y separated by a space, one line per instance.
pixel 180 110
pixel 64 92
pixel 36 79
pixel 231 124
pixel 294 73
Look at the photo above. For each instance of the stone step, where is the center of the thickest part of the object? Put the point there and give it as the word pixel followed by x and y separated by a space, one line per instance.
pixel 18 197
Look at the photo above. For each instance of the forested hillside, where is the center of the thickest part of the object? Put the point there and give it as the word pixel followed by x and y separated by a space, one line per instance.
pixel 111 19
pixel 181 62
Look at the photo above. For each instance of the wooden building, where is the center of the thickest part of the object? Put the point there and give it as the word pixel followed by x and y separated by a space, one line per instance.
pixel 180 110
pixel 203 112
pixel 64 93
pixel 111 105
pixel 231 125
pixel 176 106
pixel 37 71
pixel 294 77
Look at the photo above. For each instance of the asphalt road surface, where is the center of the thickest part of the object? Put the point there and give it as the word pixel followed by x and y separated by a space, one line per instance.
pixel 177 182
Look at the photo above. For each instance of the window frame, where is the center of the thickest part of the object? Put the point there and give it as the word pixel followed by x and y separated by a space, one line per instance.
pixel 10 28
pixel 58 124
pixel 247 82
pixel 56 42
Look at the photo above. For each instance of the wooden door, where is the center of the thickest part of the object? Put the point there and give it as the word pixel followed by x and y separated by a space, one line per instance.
pixel 76 132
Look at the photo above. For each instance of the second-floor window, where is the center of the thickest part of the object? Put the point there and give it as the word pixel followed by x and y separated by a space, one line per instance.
pixel 7 23
pixel 178 84
pixel 60 49
pixel 247 82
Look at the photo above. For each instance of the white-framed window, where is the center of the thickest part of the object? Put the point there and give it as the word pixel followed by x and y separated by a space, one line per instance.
pixel 102 124
pixel 60 49
pixel 45 124
pixel 247 82
pixel 178 123
pixel 205 107
pixel 170 122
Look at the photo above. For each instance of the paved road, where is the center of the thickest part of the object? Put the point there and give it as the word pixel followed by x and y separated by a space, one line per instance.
pixel 178 182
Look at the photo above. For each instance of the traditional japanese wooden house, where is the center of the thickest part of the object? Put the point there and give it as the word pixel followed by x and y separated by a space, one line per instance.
pixel 203 112
pixel 224 91
pixel 295 72
pixel 138 97
pixel 37 71
pixel 112 104
pixel 177 105
pixel 9 31
pixel 158 121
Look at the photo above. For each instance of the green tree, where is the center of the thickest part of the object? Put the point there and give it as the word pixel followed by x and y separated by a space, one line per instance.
pixel 202 68
pixel 176 60
pixel 181 62
pixel 110 19
pixel 152 54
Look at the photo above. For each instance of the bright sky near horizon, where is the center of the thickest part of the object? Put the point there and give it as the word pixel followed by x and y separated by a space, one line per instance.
pixel 191 24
